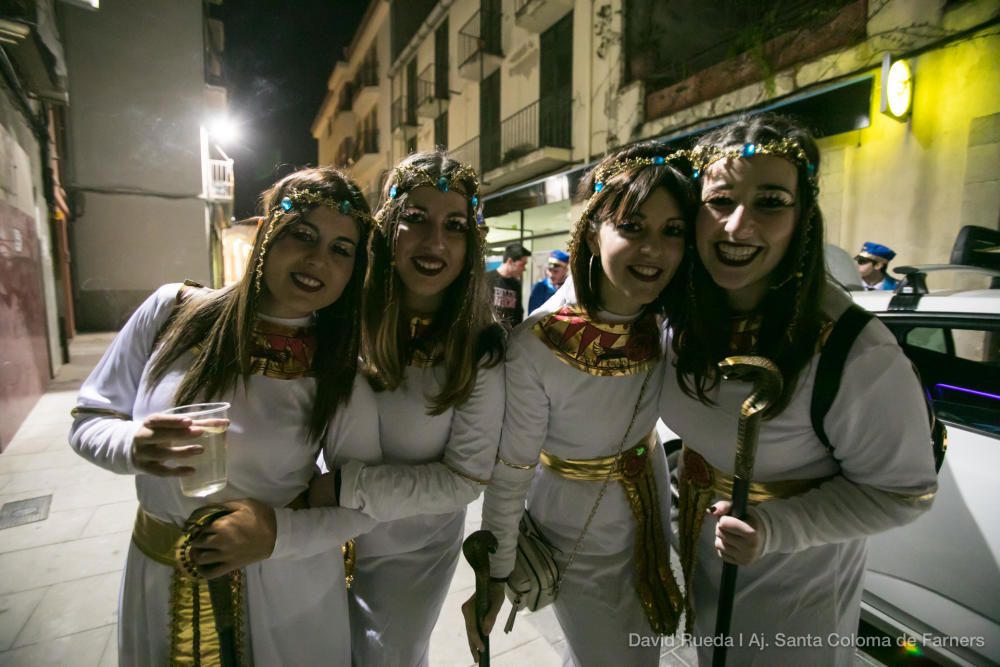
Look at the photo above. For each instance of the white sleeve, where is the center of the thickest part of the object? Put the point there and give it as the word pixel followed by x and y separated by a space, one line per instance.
pixel 525 426
pixel 353 436
pixel 880 434
pixel 388 492
pixel 103 428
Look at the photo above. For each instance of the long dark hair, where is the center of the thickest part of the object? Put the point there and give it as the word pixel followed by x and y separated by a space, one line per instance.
pixel 464 328
pixel 217 326
pixel 619 198
pixel 790 312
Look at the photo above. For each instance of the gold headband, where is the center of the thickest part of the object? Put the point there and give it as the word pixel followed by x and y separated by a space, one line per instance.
pixel 300 201
pixel 604 173
pixel 417 177
pixel 789 149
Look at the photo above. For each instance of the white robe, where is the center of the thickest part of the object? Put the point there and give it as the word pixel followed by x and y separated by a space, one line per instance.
pixel 806 588
pixel 575 415
pixel 434 467
pixel 296 599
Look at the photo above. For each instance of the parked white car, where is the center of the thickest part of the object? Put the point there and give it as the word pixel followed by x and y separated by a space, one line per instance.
pixel 937 580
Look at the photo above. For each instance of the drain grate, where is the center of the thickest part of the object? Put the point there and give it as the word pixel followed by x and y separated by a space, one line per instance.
pixel 20 512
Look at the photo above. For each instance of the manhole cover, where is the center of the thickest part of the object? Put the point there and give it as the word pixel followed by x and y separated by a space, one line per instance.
pixel 19 512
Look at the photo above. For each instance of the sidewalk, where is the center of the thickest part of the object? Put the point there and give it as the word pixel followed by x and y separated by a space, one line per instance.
pixel 59 577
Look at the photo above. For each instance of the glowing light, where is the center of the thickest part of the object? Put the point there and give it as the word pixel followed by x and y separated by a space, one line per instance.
pixel 912 648
pixel 224 129
pixel 897 87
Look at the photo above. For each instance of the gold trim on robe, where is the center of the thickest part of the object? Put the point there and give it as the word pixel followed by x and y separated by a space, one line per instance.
pixel 201 611
pixel 598 348
pixel 700 484
pixel 658 591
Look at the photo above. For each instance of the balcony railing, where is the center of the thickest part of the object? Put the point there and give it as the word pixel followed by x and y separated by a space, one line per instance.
pixel 432 96
pixel 345 154
pixel 346 97
pixel 404 113
pixel 367 75
pixel 366 143
pixel 220 183
pixel 468 153
pixel 478 40
pixel 547 122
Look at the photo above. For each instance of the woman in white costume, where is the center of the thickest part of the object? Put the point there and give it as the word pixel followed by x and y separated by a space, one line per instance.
pixel 758 286
pixel 575 371
pixel 281 346
pixel 434 354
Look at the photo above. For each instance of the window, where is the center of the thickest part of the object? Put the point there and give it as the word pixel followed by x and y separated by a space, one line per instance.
pixel 441 130
pixel 959 365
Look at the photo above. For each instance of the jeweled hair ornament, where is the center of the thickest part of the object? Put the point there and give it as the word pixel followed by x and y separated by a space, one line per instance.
pixel 789 149
pixel 605 173
pixel 415 177
pixel 301 202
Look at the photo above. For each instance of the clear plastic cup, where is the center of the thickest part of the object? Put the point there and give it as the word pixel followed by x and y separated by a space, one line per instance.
pixel 209 473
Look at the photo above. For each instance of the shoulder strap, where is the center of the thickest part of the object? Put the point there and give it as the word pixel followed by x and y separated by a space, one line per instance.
pixel 831 366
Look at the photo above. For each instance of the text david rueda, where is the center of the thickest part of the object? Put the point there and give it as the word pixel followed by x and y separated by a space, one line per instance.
pixel 761 641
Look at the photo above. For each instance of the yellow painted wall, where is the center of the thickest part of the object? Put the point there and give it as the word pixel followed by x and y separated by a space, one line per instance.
pixel 903 184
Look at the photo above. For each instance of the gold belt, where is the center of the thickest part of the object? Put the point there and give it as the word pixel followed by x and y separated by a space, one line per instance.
pixel 658 591
pixel 701 484
pixel 206 617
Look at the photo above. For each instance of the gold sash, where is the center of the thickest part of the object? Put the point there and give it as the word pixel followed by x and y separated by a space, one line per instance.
pixel 700 484
pixel 658 591
pixel 195 619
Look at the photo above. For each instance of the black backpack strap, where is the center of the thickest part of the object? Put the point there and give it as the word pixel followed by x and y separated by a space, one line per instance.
pixel 832 358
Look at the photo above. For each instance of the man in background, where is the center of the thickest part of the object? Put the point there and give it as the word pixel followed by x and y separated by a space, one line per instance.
pixel 873 265
pixel 505 285
pixel 555 276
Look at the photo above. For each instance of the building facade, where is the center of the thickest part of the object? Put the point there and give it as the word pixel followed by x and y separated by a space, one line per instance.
pixel 150 191
pixel 36 315
pixel 531 92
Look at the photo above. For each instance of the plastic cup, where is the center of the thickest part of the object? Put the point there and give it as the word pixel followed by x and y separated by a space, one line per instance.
pixel 210 466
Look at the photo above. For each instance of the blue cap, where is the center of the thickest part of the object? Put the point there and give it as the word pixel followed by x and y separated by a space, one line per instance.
pixel 871 250
pixel 559 256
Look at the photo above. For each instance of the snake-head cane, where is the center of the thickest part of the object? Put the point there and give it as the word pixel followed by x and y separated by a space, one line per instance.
pixel 767 384
pixel 477 549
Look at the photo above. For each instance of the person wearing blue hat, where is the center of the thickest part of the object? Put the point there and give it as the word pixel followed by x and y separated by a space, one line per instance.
pixel 555 275
pixel 873 265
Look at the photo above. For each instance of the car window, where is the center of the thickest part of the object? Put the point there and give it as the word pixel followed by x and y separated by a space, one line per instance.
pixel 928 339
pixel 959 366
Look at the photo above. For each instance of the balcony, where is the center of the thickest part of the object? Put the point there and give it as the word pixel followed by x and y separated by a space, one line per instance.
pixel 365 87
pixel 479 46
pixel 539 15
pixel 468 153
pixel 404 117
pixel 220 181
pixel 432 95
pixel 344 123
pixel 533 141
pixel 365 151
pixel 345 153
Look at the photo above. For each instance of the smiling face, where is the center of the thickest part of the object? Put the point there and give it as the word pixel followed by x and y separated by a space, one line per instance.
pixel 431 243
pixel 309 263
pixel 745 224
pixel 639 255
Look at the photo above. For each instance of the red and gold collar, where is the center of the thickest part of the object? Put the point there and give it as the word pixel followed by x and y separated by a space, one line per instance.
pixel 282 352
pixel 598 348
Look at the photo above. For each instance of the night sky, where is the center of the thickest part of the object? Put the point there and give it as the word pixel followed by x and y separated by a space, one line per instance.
pixel 278 58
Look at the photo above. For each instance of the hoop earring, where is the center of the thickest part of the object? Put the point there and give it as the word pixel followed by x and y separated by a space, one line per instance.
pixel 590 275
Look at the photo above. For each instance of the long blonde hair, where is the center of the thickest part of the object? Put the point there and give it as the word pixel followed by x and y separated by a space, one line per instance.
pixel 217 326
pixel 464 328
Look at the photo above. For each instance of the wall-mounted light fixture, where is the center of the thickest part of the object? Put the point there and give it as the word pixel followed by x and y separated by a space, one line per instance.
pixel 897 88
